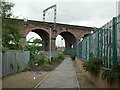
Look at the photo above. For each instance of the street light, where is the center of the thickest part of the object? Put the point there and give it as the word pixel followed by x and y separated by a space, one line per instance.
pixel 50 44
pixel 61 44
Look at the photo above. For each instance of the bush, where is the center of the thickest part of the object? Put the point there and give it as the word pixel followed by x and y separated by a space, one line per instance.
pixel 93 65
pixel 112 74
pixel 55 60
pixel 61 56
pixel 41 58
pixel 73 55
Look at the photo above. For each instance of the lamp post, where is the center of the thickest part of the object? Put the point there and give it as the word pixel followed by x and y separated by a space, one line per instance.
pixel 61 44
pixel 50 44
pixel 0 53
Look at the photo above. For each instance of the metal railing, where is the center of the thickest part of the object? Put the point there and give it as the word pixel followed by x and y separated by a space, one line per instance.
pixel 103 43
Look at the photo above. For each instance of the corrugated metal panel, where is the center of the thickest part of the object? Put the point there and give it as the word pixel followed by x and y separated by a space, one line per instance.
pixel 0 64
pixel 54 53
pixel 14 61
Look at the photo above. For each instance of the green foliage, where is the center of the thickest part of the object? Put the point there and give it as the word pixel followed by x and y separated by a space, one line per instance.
pixel 10 32
pixel 38 41
pixel 53 60
pixel 61 56
pixel 6 8
pixel 33 53
pixel 10 27
pixel 3 49
pixel 41 58
pixel 26 69
pixel 22 44
pixel 93 65
pixel 73 55
pixel 112 74
pixel 57 59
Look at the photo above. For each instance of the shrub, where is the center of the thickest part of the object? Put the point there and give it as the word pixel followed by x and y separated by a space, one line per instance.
pixel 54 59
pixel 93 65
pixel 112 74
pixel 41 58
pixel 73 55
pixel 61 56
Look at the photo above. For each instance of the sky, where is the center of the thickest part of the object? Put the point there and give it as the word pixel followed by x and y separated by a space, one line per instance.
pixel 91 13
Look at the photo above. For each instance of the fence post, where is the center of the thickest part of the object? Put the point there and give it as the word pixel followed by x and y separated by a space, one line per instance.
pixel 86 49
pixel 114 41
pixel 98 43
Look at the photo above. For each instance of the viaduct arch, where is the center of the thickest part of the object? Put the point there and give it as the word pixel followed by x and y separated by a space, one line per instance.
pixel 71 33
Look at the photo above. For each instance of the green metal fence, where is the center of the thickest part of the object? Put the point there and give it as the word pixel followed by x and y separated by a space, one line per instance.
pixel 102 43
pixel 69 51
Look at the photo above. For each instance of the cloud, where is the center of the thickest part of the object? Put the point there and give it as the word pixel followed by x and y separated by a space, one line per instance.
pixel 72 11
pixel 91 23
pixel 67 10
pixel 86 11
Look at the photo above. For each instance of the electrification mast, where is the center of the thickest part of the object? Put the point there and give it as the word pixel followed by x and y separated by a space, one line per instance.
pixel 55 10
pixel 54 26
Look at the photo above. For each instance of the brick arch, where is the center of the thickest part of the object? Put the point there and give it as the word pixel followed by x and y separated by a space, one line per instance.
pixel 77 31
pixel 70 39
pixel 45 38
pixel 42 32
pixel 59 32
pixel 25 31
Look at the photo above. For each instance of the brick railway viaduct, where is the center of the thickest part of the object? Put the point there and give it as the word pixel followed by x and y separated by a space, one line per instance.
pixel 71 33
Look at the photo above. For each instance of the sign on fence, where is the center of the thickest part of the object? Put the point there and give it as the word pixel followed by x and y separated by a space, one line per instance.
pixel 14 61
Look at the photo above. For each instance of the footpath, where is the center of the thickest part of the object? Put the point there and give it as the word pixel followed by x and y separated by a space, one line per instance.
pixel 63 76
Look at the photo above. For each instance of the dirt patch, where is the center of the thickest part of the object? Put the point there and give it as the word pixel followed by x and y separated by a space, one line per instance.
pixel 27 79
pixel 42 68
pixel 45 67
pixel 83 80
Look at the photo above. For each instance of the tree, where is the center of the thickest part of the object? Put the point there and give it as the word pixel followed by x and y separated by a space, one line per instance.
pixel 37 41
pixel 10 27
pixel 6 9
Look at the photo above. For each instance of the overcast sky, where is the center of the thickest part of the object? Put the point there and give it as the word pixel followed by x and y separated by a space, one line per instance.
pixel 94 13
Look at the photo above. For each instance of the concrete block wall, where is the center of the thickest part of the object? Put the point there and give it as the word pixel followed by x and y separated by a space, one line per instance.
pixel 96 79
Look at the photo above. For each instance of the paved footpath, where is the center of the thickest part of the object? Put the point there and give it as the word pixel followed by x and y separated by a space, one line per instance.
pixel 63 76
